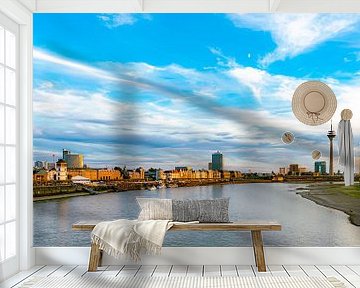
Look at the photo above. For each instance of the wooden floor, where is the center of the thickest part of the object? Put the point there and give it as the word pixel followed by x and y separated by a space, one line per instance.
pixel 350 275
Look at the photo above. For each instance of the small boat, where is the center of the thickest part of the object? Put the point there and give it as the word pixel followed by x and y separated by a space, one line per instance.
pixel 172 186
pixel 152 188
pixel 161 186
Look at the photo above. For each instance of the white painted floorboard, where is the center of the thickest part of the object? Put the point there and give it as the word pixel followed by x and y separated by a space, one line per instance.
pixel 350 275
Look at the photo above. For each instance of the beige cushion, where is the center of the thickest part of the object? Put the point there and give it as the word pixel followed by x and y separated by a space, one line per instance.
pixel 155 209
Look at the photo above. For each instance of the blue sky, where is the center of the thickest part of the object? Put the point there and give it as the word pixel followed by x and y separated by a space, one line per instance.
pixel 164 90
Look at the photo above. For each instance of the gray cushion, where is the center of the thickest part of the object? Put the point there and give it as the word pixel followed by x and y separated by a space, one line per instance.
pixel 206 211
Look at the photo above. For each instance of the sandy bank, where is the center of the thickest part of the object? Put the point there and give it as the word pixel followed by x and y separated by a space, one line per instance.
pixel 337 196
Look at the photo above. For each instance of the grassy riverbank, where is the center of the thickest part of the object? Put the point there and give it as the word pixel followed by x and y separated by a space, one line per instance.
pixel 337 196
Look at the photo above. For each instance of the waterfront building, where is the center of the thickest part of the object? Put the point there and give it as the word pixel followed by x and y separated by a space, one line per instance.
pixel 74 160
pixel 185 168
pixel 217 161
pixel 40 176
pixel 210 166
pixel 225 174
pixel 80 180
pixel 87 173
pixel 160 175
pixel 43 176
pixel 96 174
pixel 320 167
pixel 294 169
pixel 331 135
pixel 303 170
pixel 137 174
pixel 61 170
pixel 283 171
pixel 51 165
pixel 108 174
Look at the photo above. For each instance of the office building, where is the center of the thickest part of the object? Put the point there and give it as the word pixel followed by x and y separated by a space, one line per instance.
pixel 217 161
pixel 320 167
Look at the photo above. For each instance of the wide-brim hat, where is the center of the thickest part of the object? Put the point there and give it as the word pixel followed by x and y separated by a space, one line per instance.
pixel 314 103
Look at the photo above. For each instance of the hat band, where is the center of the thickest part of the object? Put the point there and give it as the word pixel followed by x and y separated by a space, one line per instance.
pixel 315 116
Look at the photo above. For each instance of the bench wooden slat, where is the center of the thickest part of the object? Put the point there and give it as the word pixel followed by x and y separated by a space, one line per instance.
pixel 234 226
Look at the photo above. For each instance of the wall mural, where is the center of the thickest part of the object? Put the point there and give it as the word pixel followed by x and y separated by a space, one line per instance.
pixel 198 106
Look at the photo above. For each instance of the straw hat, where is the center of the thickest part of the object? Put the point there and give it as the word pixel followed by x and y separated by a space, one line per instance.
pixel 287 138
pixel 316 154
pixel 346 114
pixel 314 103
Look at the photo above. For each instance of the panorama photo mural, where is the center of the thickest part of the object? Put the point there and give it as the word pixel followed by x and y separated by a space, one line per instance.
pixel 195 106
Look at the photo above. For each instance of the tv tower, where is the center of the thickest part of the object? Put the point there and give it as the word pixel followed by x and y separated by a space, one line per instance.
pixel 331 135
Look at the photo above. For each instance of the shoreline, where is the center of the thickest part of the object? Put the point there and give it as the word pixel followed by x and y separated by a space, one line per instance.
pixel 180 185
pixel 335 196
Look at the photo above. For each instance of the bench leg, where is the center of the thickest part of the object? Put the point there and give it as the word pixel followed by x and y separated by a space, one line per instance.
pixel 258 250
pixel 95 258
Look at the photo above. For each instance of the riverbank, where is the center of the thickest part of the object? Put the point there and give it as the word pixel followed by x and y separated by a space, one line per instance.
pixel 67 195
pixel 336 196
pixel 67 191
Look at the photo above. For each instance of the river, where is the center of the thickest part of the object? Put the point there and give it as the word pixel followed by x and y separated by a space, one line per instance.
pixel 305 224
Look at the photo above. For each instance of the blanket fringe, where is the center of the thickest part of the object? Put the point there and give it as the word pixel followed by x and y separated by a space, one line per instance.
pixel 135 245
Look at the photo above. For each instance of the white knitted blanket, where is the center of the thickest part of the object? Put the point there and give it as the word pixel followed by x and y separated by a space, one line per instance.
pixel 130 237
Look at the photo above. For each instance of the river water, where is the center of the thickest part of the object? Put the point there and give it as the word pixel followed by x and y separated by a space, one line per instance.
pixel 305 223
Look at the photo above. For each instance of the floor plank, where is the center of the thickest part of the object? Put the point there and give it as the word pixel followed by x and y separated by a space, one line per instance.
pixel 212 270
pixel 277 270
pixel 146 271
pixel 20 277
pixel 195 271
pixel 112 271
pixel 162 271
pixel 245 271
pixel 294 271
pixel 328 271
pixel 97 273
pixel 311 271
pixel 349 274
pixel 229 270
pixel 79 271
pixel 178 270
pixel 62 271
pixel 46 271
pixel 261 274
pixel 129 270
pixel 355 268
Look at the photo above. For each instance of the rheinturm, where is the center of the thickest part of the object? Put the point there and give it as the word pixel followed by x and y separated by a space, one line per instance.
pixel 331 135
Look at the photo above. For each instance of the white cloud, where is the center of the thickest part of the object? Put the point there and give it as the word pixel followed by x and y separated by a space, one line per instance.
pixel 295 34
pixel 112 21
pixel 266 86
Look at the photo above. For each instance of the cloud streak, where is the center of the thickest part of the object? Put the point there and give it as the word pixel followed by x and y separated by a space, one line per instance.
pixel 113 21
pixel 295 34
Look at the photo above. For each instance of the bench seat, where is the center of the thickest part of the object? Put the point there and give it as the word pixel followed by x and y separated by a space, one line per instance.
pixel 255 227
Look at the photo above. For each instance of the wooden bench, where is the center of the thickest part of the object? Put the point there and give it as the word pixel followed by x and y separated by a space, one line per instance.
pixel 255 227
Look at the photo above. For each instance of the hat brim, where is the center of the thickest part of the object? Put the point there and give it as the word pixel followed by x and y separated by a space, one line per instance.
pixel 308 117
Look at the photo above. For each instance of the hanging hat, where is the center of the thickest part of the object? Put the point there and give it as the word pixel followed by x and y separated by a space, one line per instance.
pixel 346 114
pixel 287 138
pixel 316 154
pixel 314 103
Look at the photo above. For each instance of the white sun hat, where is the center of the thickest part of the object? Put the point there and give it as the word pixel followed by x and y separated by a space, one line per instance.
pixel 314 103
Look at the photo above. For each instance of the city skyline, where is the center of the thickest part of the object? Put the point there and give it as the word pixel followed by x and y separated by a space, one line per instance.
pixel 178 100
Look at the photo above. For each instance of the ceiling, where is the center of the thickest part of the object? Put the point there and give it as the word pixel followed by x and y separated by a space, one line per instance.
pixel 193 6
